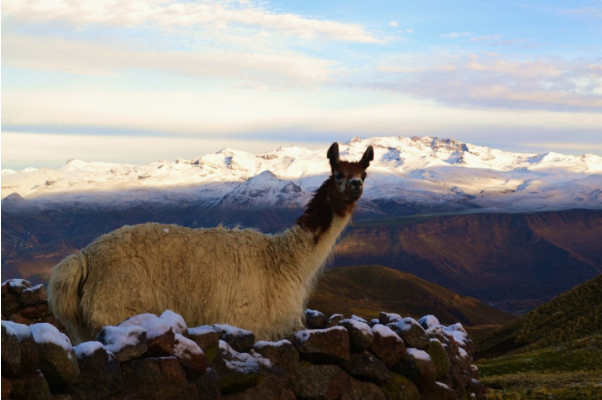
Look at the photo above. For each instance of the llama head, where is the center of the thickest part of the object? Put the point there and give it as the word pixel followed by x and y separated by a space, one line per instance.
pixel 347 180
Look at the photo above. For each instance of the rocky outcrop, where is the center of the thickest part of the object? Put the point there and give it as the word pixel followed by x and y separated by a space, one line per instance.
pixel 159 357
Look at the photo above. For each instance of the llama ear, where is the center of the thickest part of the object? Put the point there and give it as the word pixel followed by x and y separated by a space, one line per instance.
pixel 333 155
pixel 367 157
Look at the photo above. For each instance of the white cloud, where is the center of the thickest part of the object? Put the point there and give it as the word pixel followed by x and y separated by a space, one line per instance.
pixel 410 31
pixel 393 23
pixel 455 35
pixel 168 14
pixel 485 38
pixel 52 54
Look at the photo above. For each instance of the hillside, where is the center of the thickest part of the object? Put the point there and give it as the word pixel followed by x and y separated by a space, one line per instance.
pixel 569 317
pixel 367 290
pixel 512 261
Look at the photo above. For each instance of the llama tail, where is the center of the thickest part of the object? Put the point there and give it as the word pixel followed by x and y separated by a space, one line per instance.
pixel 65 291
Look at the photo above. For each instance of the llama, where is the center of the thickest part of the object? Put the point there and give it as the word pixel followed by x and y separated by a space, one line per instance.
pixel 241 277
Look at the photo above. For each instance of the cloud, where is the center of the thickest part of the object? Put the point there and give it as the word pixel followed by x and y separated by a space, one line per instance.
pixel 393 23
pixel 87 58
pixel 455 35
pixel 490 80
pixel 485 38
pixel 192 15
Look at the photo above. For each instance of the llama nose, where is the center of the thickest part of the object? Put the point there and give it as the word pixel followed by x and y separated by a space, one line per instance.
pixel 355 184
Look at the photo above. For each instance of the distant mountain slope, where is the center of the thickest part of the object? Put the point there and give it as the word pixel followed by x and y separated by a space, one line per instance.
pixel 570 316
pixel 515 261
pixel 367 290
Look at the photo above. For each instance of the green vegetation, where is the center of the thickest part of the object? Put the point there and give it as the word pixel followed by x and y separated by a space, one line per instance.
pixel 567 371
pixel 553 352
pixel 570 316
pixel 368 290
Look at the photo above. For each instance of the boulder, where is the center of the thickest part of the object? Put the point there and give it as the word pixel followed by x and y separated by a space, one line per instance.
pixel 207 339
pixel 360 334
pixel 156 378
pixel 126 343
pixel 32 386
pixel 240 340
pixel 281 353
pixel 388 318
pixel 315 319
pixel 11 351
pixel 440 358
pixel 208 385
pixel 323 346
pixel 10 304
pixel 6 386
pixel 237 371
pixel 19 319
pixel 327 382
pixel 190 354
pixel 400 388
pixel 428 321
pixel 366 367
pixel 58 361
pixel 438 391
pixel 27 347
pixel 17 286
pixel 34 295
pixel 100 373
pixel 417 366
pixel 334 320
pixel 35 311
pixel 412 333
pixel 387 345
pixel 160 331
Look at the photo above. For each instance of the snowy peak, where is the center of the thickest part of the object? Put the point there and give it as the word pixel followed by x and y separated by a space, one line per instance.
pixel 425 170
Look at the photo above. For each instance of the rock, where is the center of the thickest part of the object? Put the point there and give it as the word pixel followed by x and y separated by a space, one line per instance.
pixel 388 318
pixel 160 331
pixel 440 358
pixel 417 366
pixel 5 289
pixel 161 345
pixel 438 391
pixel 360 334
pixel 208 385
pixel 32 386
pixel 272 386
pixel 34 295
pixel 240 340
pixel 100 373
pixel 27 347
pixel 312 381
pixel 190 354
pixel 334 320
pixel 7 386
pixel 17 286
pixel 11 351
pixel 57 357
pixel 207 339
pixel 315 319
pixel 401 388
pixel 412 333
pixel 237 371
pixel 10 304
pixel 35 311
pixel 428 321
pixel 156 378
pixel 19 319
pixel 281 353
pixel 373 322
pixel 366 367
pixel 478 389
pixel 324 346
pixel 125 343
pixel 387 345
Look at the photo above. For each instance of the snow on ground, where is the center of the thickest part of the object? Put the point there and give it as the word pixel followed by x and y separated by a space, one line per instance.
pixel 424 170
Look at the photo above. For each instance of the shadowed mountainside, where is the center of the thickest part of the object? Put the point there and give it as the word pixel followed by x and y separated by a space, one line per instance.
pixel 569 317
pixel 367 290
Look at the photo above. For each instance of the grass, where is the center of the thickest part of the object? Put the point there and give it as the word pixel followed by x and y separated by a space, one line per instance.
pixel 570 371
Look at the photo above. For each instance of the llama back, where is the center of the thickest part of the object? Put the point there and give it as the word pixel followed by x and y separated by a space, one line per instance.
pixel 194 272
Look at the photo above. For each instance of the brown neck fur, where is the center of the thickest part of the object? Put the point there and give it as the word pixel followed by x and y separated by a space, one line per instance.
pixel 321 210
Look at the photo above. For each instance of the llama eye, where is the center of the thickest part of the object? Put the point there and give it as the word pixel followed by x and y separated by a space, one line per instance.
pixel 338 176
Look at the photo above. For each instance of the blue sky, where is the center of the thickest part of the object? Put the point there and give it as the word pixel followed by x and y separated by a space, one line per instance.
pixel 134 81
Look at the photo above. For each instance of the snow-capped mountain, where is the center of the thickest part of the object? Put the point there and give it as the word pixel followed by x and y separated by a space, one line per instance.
pixel 426 170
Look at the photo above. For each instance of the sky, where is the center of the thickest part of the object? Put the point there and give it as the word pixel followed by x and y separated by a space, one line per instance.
pixel 133 81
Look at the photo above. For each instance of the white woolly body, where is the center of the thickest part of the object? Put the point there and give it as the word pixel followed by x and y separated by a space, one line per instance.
pixel 240 277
